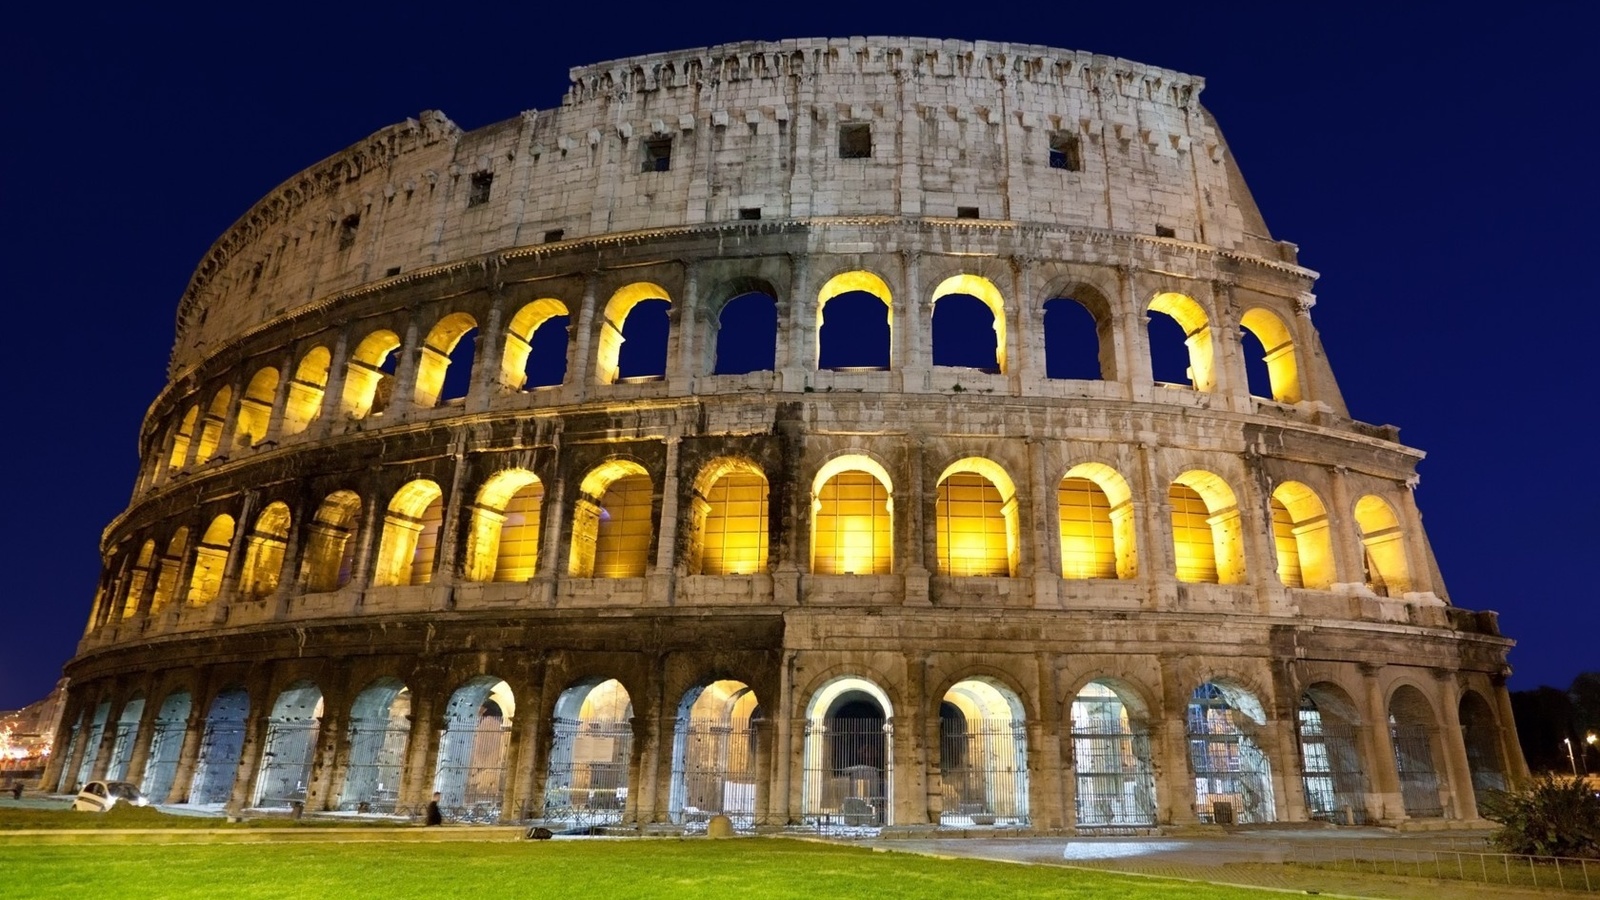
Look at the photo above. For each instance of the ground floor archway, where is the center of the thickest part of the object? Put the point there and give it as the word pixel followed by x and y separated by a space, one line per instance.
pixel 714 750
pixel 848 776
pixel 590 754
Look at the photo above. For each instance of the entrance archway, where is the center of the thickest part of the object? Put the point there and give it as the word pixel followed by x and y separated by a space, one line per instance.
pixel 290 747
pixel 220 746
pixel 470 776
pixel 380 727
pixel 590 756
pixel 714 755
pixel 1116 785
pixel 1412 732
pixel 1232 777
pixel 166 745
pixel 849 756
pixel 1482 737
pixel 1330 756
pixel 122 743
pixel 983 755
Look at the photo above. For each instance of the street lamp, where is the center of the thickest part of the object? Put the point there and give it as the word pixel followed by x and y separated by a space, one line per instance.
pixel 1570 758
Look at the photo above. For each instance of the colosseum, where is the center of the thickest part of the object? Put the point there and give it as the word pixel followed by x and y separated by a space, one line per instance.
pixel 831 434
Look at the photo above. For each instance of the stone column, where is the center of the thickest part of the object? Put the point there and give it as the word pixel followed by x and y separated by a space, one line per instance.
pixel 330 416
pixel 1156 563
pixel 1132 328
pixel 139 753
pixel 1344 534
pixel 910 781
pixel 1385 803
pixel 280 400
pixel 486 363
pixel 405 388
pixel 1418 560
pixel 422 746
pixel 188 753
pixel 229 590
pixel 327 766
pixel 1510 747
pixel 765 735
pixel 255 735
pixel 667 528
pixel 1453 748
pixel 911 327
pixel 797 324
pixel 1025 351
pixel 585 328
pixel 520 801
pixel 684 335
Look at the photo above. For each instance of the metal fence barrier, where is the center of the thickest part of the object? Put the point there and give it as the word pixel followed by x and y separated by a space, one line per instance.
pixel 1512 869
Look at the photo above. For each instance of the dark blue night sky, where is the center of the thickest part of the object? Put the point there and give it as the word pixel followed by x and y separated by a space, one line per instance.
pixel 1438 169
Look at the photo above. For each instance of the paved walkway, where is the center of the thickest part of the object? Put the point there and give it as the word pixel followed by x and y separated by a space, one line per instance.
pixel 1262 859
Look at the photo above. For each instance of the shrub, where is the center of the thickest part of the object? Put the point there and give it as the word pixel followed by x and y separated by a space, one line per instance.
pixel 1551 817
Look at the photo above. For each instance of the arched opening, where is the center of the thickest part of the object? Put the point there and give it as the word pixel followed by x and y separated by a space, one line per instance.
pixel 536 346
pixel 166 746
pixel 714 755
pixel 1384 548
pixel 444 368
pixel 127 730
pixel 263 555
pixel 983 755
pixel 1413 731
pixel 255 408
pixel 852 518
pixel 1190 366
pixel 1232 777
pixel 975 514
pixel 410 535
pixel 855 314
pixel 849 763
pixel 969 324
pixel 138 579
pixel 470 777
pixel 330 543
pixel 592 746
pixel 1073 345
pixel 1330 756
pixel 369 376
pixel 747 335
pixel 637 313
pixel 211 426
pixel 220 746
pixel 612 524
pixel 1481 734
pixel 1116 785
pixel 729 507
pixel 1207 541
pixel 181 438
pixel 503 545
pixel 1300 537
pixel 306 390
pixel 91 747
pixel 1270 362
pixel 210 562
pixel 1095 515
pixel 290 747
pixel 168 570
pixel 380 727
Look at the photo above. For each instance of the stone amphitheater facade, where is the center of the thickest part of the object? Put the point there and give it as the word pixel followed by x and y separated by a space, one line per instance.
pixel 898 593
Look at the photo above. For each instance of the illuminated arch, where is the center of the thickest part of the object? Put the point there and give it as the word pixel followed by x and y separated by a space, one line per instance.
pixel 976 515
pixel 255 408
pixel 289 747
pixel 1301 538
pixel 410 535
pixel 1283 370
pixel 616 314
pixel 380 730
pixel 620 492
pixel 985 291
pixel 306 390
pixel 849 753
pixel 210 562
pixel 1333 775
pixel 263 555
pixel 470 773
pixel 1111 755
pixel 750 345
pixel 503 543
pixel 1095 514
pixel 729 515
pixel 519 339
pixel 169 568
pixel 1384 559
pixel 211 426
pixel 435 356
pixel 181 436
pixel 330 542
pixel 850 282
pixel 168 729
pixel 1225 759
pixel 852 518
pixel 1191 317
pixel 1207 539
pixel 1414 735
pixel 983 755
pixel 221 744
pixel 366 385
pixel 591 753
pixel 714 751
pixel 138 578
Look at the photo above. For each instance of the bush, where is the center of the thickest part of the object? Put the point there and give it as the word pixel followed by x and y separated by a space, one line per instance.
pixel 1551 817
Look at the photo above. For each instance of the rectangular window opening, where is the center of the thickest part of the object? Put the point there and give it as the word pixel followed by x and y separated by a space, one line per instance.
pixel 553 235
pixel 855 141
pixel 1164 231
pixel 392 272
pixel 966 212
pixel 750 213
pixel 479 194
pixel 657 155
pixel 1064 153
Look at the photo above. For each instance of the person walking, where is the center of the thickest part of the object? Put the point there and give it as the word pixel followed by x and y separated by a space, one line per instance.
pixel 434 817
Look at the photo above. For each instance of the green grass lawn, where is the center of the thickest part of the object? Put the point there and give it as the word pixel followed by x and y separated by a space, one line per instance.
pixel 124 816
pixel 700 868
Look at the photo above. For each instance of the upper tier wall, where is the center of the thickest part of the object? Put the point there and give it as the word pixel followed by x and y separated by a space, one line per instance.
pixel 753 127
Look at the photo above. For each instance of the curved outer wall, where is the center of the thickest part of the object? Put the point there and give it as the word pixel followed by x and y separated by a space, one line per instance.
pixel 423 221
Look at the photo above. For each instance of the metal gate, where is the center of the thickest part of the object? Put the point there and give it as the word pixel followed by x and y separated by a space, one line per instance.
pixel 286 764
pixel 471 773
pixel 1330 760
pixel 161 767
pixel 121 745
pixel 982 772
pixel 714 772
pixel 66 783
pixel 372 777
pixel 1231 774
pixel 218 762
pixel 1115 785
pixel 1413 761
pixel 847 774
pixel 588 782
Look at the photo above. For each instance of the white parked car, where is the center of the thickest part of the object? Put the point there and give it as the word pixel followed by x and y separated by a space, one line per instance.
pixel 99 796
